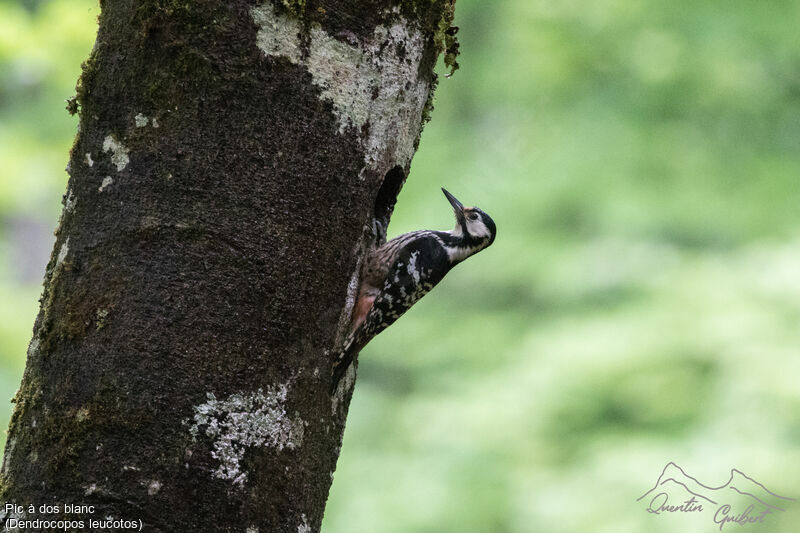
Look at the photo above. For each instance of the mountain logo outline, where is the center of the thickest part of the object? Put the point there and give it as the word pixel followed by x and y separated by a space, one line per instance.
pixel 741 499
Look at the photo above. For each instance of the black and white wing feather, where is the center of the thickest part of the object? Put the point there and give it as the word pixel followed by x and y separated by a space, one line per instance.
pixel 419 266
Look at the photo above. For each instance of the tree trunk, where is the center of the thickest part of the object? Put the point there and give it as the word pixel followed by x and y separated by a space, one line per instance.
pixel 233 164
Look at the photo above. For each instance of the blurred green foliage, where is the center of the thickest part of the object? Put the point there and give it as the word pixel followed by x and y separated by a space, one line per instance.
pixel 640 305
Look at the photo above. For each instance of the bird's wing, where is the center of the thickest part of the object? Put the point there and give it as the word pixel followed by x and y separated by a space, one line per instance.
pixel 417 269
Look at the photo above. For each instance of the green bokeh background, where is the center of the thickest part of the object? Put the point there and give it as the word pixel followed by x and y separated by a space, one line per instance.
pixel 640 305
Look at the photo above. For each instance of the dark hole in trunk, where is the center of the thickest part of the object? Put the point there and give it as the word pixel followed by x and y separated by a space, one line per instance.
pixel 387 198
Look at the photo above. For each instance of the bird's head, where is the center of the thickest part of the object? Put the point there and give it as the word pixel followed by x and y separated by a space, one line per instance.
pixel 475 227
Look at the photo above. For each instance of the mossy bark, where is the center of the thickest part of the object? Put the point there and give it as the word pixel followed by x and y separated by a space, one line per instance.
pixel 221 196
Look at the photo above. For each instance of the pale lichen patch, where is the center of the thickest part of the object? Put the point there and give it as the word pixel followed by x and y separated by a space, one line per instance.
pixel 141 120
pixel 108 180
pixel 82 414
pixel 119 154
pixel 153 487
pixel 303 527
pixel 246 420
pixel 100 318
pixel 374 83
pixel 277 37
pixel 69 203
pixel 89 160
pixel 62 252
pixel 33 347
pixel 251 529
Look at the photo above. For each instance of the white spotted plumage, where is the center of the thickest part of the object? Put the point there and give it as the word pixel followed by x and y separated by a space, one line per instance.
pixel 401 271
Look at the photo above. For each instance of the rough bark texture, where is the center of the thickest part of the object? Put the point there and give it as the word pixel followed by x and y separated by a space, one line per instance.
pixel 234 161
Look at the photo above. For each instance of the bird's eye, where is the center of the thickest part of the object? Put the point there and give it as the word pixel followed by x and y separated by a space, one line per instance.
pixel 473 216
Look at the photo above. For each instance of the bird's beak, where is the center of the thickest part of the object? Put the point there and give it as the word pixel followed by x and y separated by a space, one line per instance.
pixel 458 207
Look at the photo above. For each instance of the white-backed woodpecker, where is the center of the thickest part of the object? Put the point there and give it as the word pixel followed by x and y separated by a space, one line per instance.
pixel 400 272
